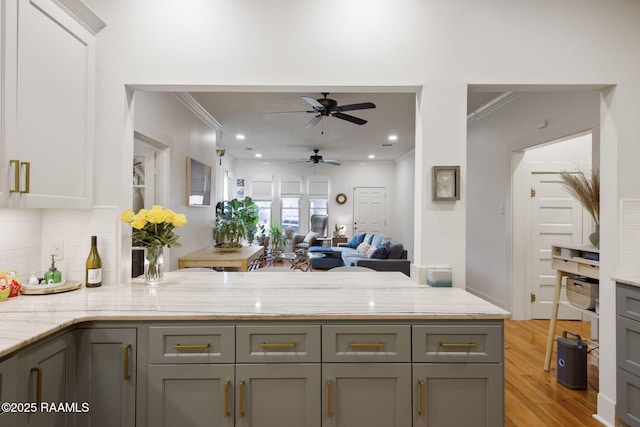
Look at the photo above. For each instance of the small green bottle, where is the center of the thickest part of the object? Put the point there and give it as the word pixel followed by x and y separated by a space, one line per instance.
pixel 53 275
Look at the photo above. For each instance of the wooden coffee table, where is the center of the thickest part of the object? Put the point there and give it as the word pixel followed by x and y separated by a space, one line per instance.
pixel 212 257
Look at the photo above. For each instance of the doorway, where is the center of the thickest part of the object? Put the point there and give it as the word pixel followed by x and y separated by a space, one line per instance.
pixel 369 210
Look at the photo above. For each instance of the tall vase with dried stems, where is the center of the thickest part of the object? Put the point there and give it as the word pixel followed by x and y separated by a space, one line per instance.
pixel 585 188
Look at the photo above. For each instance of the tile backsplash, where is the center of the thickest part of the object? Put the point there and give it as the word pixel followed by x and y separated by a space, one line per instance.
pixel 29 234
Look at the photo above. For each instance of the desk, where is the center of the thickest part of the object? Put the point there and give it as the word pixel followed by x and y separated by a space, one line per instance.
pixel 568 259
pixel 212 257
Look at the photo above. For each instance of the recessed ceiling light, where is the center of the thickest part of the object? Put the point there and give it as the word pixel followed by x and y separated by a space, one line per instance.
pixel 258 155
pixel 372 156
pixel 239 136
pixel 393 137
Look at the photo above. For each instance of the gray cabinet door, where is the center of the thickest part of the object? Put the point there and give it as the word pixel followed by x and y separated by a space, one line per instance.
pixel 366 394
pixel 9 390
pixel 106 376
pixel 283 395
pixel 190 395
pixel 46 376
pixel 458 395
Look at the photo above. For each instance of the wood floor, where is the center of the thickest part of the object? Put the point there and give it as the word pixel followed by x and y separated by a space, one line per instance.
pixel 534 397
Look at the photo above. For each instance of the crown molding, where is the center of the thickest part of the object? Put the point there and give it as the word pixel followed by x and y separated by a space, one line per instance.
pixel 491 106
pixel 83 14
pixel 197 109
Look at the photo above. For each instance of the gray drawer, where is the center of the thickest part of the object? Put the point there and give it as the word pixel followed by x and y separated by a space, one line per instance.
pixel 628 343
pixel 265 344
pixel 191 344
pixel 370 343
pixel 462 343
pixel 628 301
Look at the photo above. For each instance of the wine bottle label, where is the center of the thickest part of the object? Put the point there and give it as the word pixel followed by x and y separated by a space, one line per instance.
pixel 94 276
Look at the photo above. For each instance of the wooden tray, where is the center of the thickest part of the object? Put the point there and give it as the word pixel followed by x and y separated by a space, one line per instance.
pixel 67 285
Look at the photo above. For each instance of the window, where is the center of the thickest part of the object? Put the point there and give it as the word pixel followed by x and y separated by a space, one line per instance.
pixel 291 213
pixel 264 212
pixel 318 207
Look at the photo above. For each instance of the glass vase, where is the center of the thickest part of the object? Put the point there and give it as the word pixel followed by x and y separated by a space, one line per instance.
pixel 153 265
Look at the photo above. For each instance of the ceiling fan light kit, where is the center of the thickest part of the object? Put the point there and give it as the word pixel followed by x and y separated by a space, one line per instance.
pixel 327 107
pixel 315 159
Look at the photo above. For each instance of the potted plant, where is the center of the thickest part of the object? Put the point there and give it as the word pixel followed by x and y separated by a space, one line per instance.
pixel 336 229
pixel 235 220
pixel 262 237
pixel 277 237
pixel 586 190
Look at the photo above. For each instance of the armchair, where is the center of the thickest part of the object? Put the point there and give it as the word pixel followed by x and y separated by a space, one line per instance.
pixel 319 225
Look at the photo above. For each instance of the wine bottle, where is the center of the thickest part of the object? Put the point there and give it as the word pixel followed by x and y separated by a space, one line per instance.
pixel 93 276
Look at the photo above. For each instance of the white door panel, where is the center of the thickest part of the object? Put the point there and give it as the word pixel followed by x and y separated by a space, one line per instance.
pixel 369 212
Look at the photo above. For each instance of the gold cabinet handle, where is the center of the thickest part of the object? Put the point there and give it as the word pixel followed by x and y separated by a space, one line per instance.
pixel 38 371
pixel 178 346
pixel 27 177
pixel 278 345
pixel 16 176
pixel 125 362
pixel 226 399
pixel 241 400
pixel 457 345
pixel 366 344
pixel 421 397
pixel 329 411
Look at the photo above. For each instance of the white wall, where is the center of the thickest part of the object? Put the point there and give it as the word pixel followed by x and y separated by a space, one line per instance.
pixel 437 47
pixel 164 118
pixel 491 142
pixel 404 202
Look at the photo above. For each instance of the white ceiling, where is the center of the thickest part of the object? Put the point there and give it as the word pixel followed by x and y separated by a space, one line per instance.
pixel 285 136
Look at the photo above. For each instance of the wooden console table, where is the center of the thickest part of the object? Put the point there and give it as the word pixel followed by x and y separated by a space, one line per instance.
pixel 567 260
pixel 212 257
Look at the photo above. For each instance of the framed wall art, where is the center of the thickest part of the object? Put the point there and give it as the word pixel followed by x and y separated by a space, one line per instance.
pixel 198 183
pixel 445 182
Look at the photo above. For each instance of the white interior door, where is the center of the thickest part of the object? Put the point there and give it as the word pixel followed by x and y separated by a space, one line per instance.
pixel 556 218
pixel 369 210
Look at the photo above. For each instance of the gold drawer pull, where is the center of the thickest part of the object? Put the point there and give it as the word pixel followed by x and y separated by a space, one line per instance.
pixel 366 344
pixel 38 371
pixel 278 345
pixel 178 346
pixel 125 362
pixel 27 177
pixel 241 406
pixel 329 411
pixel 421 408
pixel 16 179
pixel 461 345
pixel 226 399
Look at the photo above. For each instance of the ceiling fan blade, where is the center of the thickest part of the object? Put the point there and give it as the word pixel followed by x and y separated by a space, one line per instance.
pixel 299 161
pixel 314 121
pixel 290 112
pixel 349 118
pixel 332 162
pixel 314 103
pixel 361 106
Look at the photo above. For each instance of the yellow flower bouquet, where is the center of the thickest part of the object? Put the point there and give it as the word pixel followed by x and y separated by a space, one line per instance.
pixel 153 230
pixel 154 227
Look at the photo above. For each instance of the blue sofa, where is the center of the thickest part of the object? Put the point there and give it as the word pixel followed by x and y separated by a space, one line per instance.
pixel 386 254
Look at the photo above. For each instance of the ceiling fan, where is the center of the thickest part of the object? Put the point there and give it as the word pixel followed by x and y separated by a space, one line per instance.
pixel 316 159
pixel 325 107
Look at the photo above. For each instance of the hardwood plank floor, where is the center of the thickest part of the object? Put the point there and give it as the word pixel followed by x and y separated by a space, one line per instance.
pixel 534 397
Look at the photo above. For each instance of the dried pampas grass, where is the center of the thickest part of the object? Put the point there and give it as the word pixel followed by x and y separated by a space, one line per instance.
pixel 585 188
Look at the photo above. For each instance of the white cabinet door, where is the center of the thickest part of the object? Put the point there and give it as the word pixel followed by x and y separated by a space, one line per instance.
pixel 49 114
pixel 106 376
pixel 366 394
pixel 191 395
pixel 283 395
pixel 46 376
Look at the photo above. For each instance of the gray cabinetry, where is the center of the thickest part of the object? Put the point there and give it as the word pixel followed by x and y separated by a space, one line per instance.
pixel 46 375
pixel 458 374
pixel 8 390
pixel 191 375
pixel 628 353
pixel 106 376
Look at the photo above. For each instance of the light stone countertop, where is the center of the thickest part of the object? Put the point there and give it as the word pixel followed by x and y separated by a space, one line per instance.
pixel 633 281
pixel 240 296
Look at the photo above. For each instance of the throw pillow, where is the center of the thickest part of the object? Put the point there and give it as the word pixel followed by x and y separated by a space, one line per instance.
pixel 355 241
pixel 309 237
pixel 370 251
pixel 381 252
pixel 363 248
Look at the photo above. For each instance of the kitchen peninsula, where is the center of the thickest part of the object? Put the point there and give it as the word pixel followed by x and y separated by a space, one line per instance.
pixel 249 341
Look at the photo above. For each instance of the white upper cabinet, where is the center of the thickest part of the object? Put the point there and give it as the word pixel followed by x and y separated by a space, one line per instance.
pixel 48 106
